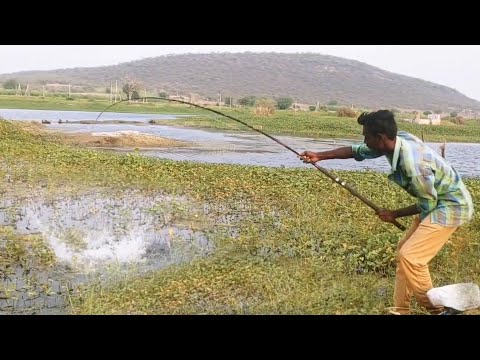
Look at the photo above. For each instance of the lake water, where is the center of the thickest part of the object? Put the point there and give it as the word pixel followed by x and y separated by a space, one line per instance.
pixel 245 148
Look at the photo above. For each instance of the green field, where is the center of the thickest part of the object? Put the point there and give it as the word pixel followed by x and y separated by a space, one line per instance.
pixel 304 246
pixel 93 104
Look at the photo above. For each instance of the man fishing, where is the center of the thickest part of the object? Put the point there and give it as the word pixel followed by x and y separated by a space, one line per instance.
pixel 444 202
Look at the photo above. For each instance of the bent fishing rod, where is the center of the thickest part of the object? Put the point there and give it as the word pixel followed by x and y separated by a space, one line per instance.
pixel 338 180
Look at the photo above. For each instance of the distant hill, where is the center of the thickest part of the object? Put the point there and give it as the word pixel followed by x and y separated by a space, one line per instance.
pixel 306 77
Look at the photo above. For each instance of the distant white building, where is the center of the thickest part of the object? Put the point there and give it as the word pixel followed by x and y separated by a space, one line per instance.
pixel 435 119
pixel 432 119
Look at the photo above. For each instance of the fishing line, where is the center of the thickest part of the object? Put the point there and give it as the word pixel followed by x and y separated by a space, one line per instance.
pixel 336 179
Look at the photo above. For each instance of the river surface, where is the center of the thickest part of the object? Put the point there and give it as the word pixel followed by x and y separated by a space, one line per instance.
pixel 233 147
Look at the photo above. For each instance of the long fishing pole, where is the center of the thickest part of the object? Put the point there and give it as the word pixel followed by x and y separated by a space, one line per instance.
pixel 338 180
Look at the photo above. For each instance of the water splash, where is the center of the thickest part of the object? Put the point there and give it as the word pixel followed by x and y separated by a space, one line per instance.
pixel 97 238
pixel 90 232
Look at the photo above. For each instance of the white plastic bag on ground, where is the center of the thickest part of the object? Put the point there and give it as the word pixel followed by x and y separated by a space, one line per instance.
pixel 464 296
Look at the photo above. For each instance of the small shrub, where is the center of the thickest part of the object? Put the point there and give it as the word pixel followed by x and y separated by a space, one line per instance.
pixel 346 112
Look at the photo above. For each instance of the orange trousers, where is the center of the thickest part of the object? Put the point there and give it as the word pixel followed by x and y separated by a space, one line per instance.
pixel 414 251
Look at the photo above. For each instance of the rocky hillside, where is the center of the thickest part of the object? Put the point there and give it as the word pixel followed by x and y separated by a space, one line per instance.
pixel 306 77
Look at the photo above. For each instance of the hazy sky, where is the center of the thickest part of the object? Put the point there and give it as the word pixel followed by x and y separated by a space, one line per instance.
pixel 457 66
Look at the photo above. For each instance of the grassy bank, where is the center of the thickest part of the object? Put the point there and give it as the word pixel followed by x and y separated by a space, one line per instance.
pixel 303 246
pixel 62 103
pixel 323 125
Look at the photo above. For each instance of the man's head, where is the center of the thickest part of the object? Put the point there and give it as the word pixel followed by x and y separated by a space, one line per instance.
pixel 379 129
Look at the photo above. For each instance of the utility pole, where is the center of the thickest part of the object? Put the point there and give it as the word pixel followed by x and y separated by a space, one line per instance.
pixel 442 149
pixel 111 91
pixel 69 91
pixel 43 87
pixel 116 90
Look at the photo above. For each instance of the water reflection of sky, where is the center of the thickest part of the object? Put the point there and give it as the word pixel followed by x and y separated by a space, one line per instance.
pixel 55 115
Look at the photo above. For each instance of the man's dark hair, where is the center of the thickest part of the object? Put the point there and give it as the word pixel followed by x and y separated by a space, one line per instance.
pixel 379 122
